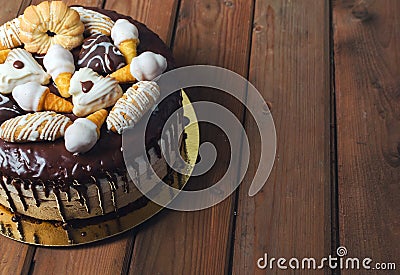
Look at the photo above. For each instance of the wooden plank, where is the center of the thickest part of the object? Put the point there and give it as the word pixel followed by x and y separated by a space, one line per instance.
pixel 16 256
pixel 367 54
pixel 101 258
pixel 158 15
pixel 290 217
pixel 208 32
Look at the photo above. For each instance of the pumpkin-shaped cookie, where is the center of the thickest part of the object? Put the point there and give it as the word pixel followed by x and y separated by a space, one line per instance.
pixel 50 23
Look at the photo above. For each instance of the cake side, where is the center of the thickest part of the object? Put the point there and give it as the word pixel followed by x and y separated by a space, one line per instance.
pixel 45 181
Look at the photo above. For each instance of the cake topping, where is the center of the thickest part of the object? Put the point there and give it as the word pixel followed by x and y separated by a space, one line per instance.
pixel 58 60
pixel 18 64
pixel 95 22
pixel 59 63
pixel 131 107
pixel 9 34
pixel 40 126
pixel 32 96
pixel 10 76
pixel 126 37
pixel 87 86
pixel 83 134
pixel 50 23
pixel 99 54
pixel 146 66
pixel 104 93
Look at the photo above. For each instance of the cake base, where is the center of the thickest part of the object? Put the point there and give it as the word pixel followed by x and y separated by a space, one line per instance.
pixel 76 232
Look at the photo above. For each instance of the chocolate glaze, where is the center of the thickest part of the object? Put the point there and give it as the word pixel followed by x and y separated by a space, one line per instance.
pixel 8 108
pixel 49 164
pixel 100 54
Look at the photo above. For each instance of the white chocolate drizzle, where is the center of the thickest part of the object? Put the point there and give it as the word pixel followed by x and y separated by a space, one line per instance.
pixel 40 126
pixel 95 22
pixel 131 107
pixel 9 32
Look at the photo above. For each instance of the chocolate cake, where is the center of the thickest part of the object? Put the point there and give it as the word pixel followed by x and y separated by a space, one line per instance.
pixel 43 179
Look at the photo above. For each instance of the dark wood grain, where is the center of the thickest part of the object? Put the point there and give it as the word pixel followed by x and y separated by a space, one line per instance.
pixel 207 32
pixel 158 15
pixel 367 65
pixel 290 66
pixel 15 257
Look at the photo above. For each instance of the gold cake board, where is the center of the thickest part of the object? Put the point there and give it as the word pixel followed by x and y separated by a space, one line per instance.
pixel 43 233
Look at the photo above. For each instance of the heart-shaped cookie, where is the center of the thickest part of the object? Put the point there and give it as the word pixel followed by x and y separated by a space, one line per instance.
pixel 19 68
pixel 92 92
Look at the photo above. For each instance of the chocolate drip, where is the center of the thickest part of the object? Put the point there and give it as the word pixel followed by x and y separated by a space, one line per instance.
pixel 36 239
pixel 20 231
pixel 99 194
pixel 10 200
pixel 2 228
pixel 82 195
pixel 17 185
pixel 69 236
pixel 126 183
pixel 113 189
pixel 59 205
pixel 34 194
pixel 9 233
pixel 46 191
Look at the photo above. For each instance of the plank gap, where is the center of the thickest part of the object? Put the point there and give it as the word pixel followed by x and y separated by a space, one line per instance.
pixel 334 226
pixel 171 41
pixel 231 252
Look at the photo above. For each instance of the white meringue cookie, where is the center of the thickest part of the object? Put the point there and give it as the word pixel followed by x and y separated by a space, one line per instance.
pixel 123 30
pixel 58 60
pixel 19 68
pixel 81 136
pixel 103 92
pixel 28 95
pixel 148 66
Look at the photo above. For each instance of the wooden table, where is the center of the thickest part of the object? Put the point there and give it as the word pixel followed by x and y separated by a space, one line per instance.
pixel 331 72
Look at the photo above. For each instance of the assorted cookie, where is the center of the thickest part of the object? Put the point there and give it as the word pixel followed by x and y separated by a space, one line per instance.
pixel 146 66
pixel 92 92
pixel 33 97
pixel 83 134
pixel 39 126
pixel 100 54
pixel 59 63
pixel 9 34
pixel 131 107
pixel 108 57
pixel 19 68
pixel 50 23
pixel 94 22
pixel 126 37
